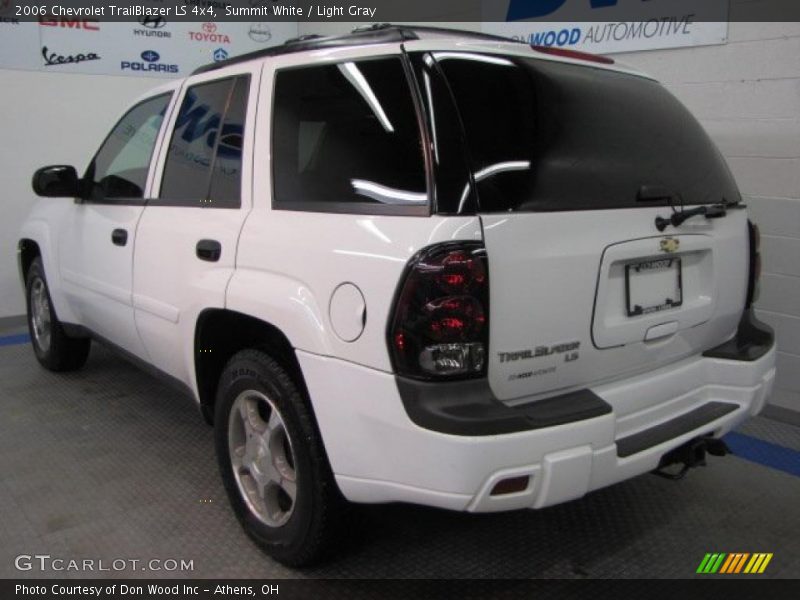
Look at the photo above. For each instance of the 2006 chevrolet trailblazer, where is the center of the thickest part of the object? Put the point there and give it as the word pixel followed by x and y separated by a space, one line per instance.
pixel 412 265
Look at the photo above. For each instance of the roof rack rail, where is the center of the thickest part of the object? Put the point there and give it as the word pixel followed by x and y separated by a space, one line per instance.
pixel 379 33
pixel 316 42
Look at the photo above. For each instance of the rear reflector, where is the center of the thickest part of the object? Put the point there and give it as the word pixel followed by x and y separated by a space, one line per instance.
pixel 512 485
pixel 574 54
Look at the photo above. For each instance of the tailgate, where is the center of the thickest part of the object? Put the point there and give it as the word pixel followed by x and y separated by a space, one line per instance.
pixel 583 297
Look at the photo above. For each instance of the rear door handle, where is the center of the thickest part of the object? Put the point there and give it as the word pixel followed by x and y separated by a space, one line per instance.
pixel 209 250
pixel 119 237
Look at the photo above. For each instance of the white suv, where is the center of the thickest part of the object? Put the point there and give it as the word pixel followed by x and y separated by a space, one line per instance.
pixel 413 265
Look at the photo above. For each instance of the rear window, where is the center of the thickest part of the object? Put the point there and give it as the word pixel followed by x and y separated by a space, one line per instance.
pixel 346 139
pixel 547 136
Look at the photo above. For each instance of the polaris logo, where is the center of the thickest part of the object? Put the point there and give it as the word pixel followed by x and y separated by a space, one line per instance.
pixel 151 64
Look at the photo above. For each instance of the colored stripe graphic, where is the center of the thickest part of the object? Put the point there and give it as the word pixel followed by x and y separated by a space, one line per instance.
pixel 711 563
pixel 727 564
pixel 734 563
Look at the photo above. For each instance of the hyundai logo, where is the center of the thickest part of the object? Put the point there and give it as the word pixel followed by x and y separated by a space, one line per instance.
pixel 153 22
pixel 150 56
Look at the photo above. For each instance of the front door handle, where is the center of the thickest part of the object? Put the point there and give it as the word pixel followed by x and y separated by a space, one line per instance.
pixel 209 250
pixel 119 237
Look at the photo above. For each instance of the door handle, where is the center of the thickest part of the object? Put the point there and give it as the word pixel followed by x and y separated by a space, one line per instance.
pixel 209 250
pixel 119 237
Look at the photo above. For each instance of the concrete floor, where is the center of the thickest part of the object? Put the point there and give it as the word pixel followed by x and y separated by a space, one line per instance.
pixel 107 463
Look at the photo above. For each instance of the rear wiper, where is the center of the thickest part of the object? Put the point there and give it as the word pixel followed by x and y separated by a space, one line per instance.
pixel 713 211
pixel 676 218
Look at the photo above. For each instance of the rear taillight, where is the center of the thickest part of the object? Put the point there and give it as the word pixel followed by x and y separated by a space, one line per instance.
pixel 440 323
pixel 755 263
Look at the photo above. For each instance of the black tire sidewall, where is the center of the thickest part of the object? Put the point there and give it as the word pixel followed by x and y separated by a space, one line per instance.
pixel 242 374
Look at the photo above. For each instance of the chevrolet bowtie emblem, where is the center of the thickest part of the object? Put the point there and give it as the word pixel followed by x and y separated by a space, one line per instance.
pixel 670 245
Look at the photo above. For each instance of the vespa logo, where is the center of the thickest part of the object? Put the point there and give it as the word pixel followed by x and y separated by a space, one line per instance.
pixel 153 22
pixel 669 245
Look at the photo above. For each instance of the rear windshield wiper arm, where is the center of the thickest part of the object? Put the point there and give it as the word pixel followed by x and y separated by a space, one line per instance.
pixel 715 211
pixel 678 217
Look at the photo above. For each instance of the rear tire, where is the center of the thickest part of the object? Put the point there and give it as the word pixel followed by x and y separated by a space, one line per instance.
pixel 54 349
pixel 273 463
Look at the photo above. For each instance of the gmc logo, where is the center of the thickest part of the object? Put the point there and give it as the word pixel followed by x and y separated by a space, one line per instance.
pixel 84 24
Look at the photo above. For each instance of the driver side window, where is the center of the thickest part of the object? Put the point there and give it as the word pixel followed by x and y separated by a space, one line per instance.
pixel 120 167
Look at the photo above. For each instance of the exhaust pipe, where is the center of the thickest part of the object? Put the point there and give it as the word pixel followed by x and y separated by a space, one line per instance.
pixel 691 454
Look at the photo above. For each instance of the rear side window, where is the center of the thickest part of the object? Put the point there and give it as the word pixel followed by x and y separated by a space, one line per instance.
pixel 346 139
pixel 204 162
pixel 551 136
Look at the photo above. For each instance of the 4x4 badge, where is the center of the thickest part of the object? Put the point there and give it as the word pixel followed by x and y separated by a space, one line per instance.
pixel 670 244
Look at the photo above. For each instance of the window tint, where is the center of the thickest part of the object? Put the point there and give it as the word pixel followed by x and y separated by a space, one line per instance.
pixel 226 177
pixel 454 192
pixel 204 162
pixel 553 136
pixel 120 167
pixel 346 137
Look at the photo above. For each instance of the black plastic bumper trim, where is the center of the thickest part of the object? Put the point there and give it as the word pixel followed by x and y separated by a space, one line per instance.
pixel 470 408
pixel 638 442
pixel 752 341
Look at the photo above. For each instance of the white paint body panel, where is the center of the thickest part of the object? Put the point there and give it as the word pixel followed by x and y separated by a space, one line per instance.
pixel 97 275
pixel 172 286
pixel 379 455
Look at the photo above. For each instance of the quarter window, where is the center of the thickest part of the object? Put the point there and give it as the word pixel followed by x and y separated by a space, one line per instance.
pixel 204 161
pixel 120 167
pixel 346 138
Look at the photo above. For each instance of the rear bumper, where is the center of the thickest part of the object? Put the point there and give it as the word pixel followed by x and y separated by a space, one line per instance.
pixel 379 453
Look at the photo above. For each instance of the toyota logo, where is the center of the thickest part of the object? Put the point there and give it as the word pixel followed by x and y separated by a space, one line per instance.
pixel 153 22
pixel 150 56
pixel 209 27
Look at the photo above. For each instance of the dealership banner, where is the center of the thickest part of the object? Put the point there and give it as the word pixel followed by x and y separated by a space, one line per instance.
pixel 606 26
pixel 148 47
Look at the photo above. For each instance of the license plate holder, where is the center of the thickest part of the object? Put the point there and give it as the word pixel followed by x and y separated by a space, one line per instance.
pixel 653 285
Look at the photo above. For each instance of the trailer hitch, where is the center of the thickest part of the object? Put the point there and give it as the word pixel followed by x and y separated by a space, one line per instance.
pixel 689 455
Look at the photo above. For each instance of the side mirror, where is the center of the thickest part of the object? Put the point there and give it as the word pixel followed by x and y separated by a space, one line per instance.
pixel 58 181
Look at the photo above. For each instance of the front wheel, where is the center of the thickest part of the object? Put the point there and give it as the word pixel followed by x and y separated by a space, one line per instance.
pixel 54 349
pixel 272 461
